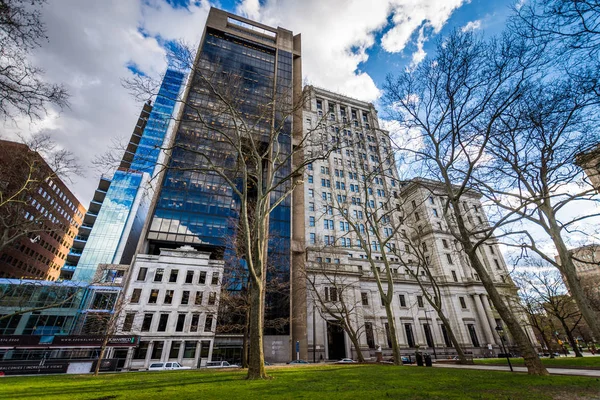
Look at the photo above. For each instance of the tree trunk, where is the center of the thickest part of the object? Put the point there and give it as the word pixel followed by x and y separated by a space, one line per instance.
pixel 570 337
pixel 392 327
pixel 101 355
pixel 461 354
pixel 256 365
pixel 245 340
pixel 530 356
pixel 567 268
pixel 355 342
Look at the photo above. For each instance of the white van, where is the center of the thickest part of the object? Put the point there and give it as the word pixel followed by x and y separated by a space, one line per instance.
pixel 220 364
pixel 162 366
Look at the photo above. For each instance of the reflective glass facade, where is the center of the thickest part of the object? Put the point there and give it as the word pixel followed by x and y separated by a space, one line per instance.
pixel 125 195
pixel 196 206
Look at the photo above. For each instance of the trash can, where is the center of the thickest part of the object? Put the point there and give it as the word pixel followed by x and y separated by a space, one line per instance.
pixel 419 358
pixel 427 358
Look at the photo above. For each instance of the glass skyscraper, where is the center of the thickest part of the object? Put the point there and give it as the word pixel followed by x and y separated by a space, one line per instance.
pixel 119 222
pixel 258 68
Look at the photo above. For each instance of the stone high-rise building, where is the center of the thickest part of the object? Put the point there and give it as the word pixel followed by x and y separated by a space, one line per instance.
pixel 342 194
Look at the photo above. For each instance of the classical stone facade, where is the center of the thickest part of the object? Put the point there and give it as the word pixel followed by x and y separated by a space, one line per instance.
pixel 356 208
pixel 171 302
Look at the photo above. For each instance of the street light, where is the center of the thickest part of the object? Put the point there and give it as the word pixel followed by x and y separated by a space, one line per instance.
pixel 501 334
pixel 431 334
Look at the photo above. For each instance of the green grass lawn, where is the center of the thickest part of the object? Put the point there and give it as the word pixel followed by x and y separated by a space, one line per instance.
pixel 365 382
pixel 581 362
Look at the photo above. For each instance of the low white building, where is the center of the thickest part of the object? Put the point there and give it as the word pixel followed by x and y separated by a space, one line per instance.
pixel 171 302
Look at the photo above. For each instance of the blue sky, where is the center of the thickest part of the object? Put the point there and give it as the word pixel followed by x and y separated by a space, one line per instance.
pixel 348 46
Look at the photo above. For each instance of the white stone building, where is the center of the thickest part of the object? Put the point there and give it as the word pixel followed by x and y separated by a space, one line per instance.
pixel 171 302
pixel 357 181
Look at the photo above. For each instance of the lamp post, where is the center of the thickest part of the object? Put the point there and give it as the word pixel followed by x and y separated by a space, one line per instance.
pixel 431 334
pixel 501 334
pixel 314 334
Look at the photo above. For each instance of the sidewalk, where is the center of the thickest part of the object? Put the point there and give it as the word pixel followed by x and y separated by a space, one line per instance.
pixel 553 371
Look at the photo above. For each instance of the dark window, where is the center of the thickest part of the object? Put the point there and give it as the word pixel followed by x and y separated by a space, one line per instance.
pixel 446 336
pixel 174 352
pixel 135 296
pixel 449 258
pixel 204 348
pixel 162 322
pixel 497 264
pixel 158 275
pixel 147 322
pixel 194 323
pixel 212 298
pixel 153 296
pixel 189 277
pixel 198 300
pixel 141 351
pixel 215 279
pixel 157 349
pixel 365 298
pixel 168 297
pixel 331 294
pixel 128 323
pixel 173 276
pixel 454 277
pixel 185 297
pixel 189 350
pixel 180 323
pixel 402 300
pixel 208 323
pixel 428 335
pixel 420 301
pixel 473 334
pixel 202 277
pixel 369 333
pixel 388 336
pixel 142 274
pixel 410 339
pixel 445 243
pixel 463 304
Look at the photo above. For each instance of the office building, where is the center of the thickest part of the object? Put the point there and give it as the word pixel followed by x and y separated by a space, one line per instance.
pixel 43 209
pixel 172 302
pixel 89 219
pixel 342 193
pixel 118 224
pixel 195 206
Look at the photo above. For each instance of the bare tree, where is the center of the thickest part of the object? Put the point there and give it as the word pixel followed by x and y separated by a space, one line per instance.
pixel 26 168
pixel 23 91
pixel 450 104
pixel 535 176
pixel 429 281
pixel 544 289
pixel 240 136
pixel 333 291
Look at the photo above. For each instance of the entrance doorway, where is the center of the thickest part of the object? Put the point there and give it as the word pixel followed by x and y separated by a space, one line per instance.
pixel 336 342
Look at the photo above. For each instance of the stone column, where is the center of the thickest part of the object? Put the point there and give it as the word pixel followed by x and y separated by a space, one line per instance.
pixel 489 336
pixel 488 312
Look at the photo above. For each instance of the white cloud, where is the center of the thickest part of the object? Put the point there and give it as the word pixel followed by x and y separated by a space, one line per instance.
pixel 91 44
pixel 420 54
pixel 471 26
pixel 410 15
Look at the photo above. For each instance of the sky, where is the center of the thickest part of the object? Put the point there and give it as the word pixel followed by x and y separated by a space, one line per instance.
pixel 348 46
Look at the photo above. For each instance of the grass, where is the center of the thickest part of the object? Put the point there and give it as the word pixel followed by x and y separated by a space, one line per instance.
pixel 310 382
pixel 579 362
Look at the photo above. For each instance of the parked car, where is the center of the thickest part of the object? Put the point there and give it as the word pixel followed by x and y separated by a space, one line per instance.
pixel 298 362
pixel 221 364
pixel 345 361
pixel 163 366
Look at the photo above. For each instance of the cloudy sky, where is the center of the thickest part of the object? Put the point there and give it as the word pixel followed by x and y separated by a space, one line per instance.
pixel 348 46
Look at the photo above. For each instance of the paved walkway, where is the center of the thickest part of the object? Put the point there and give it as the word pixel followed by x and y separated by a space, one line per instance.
pixel 553 371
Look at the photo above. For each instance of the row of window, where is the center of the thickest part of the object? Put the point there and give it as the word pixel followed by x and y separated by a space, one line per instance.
pixel 189 349
pixel 159 274
pixel 163 321
pixel 168 297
